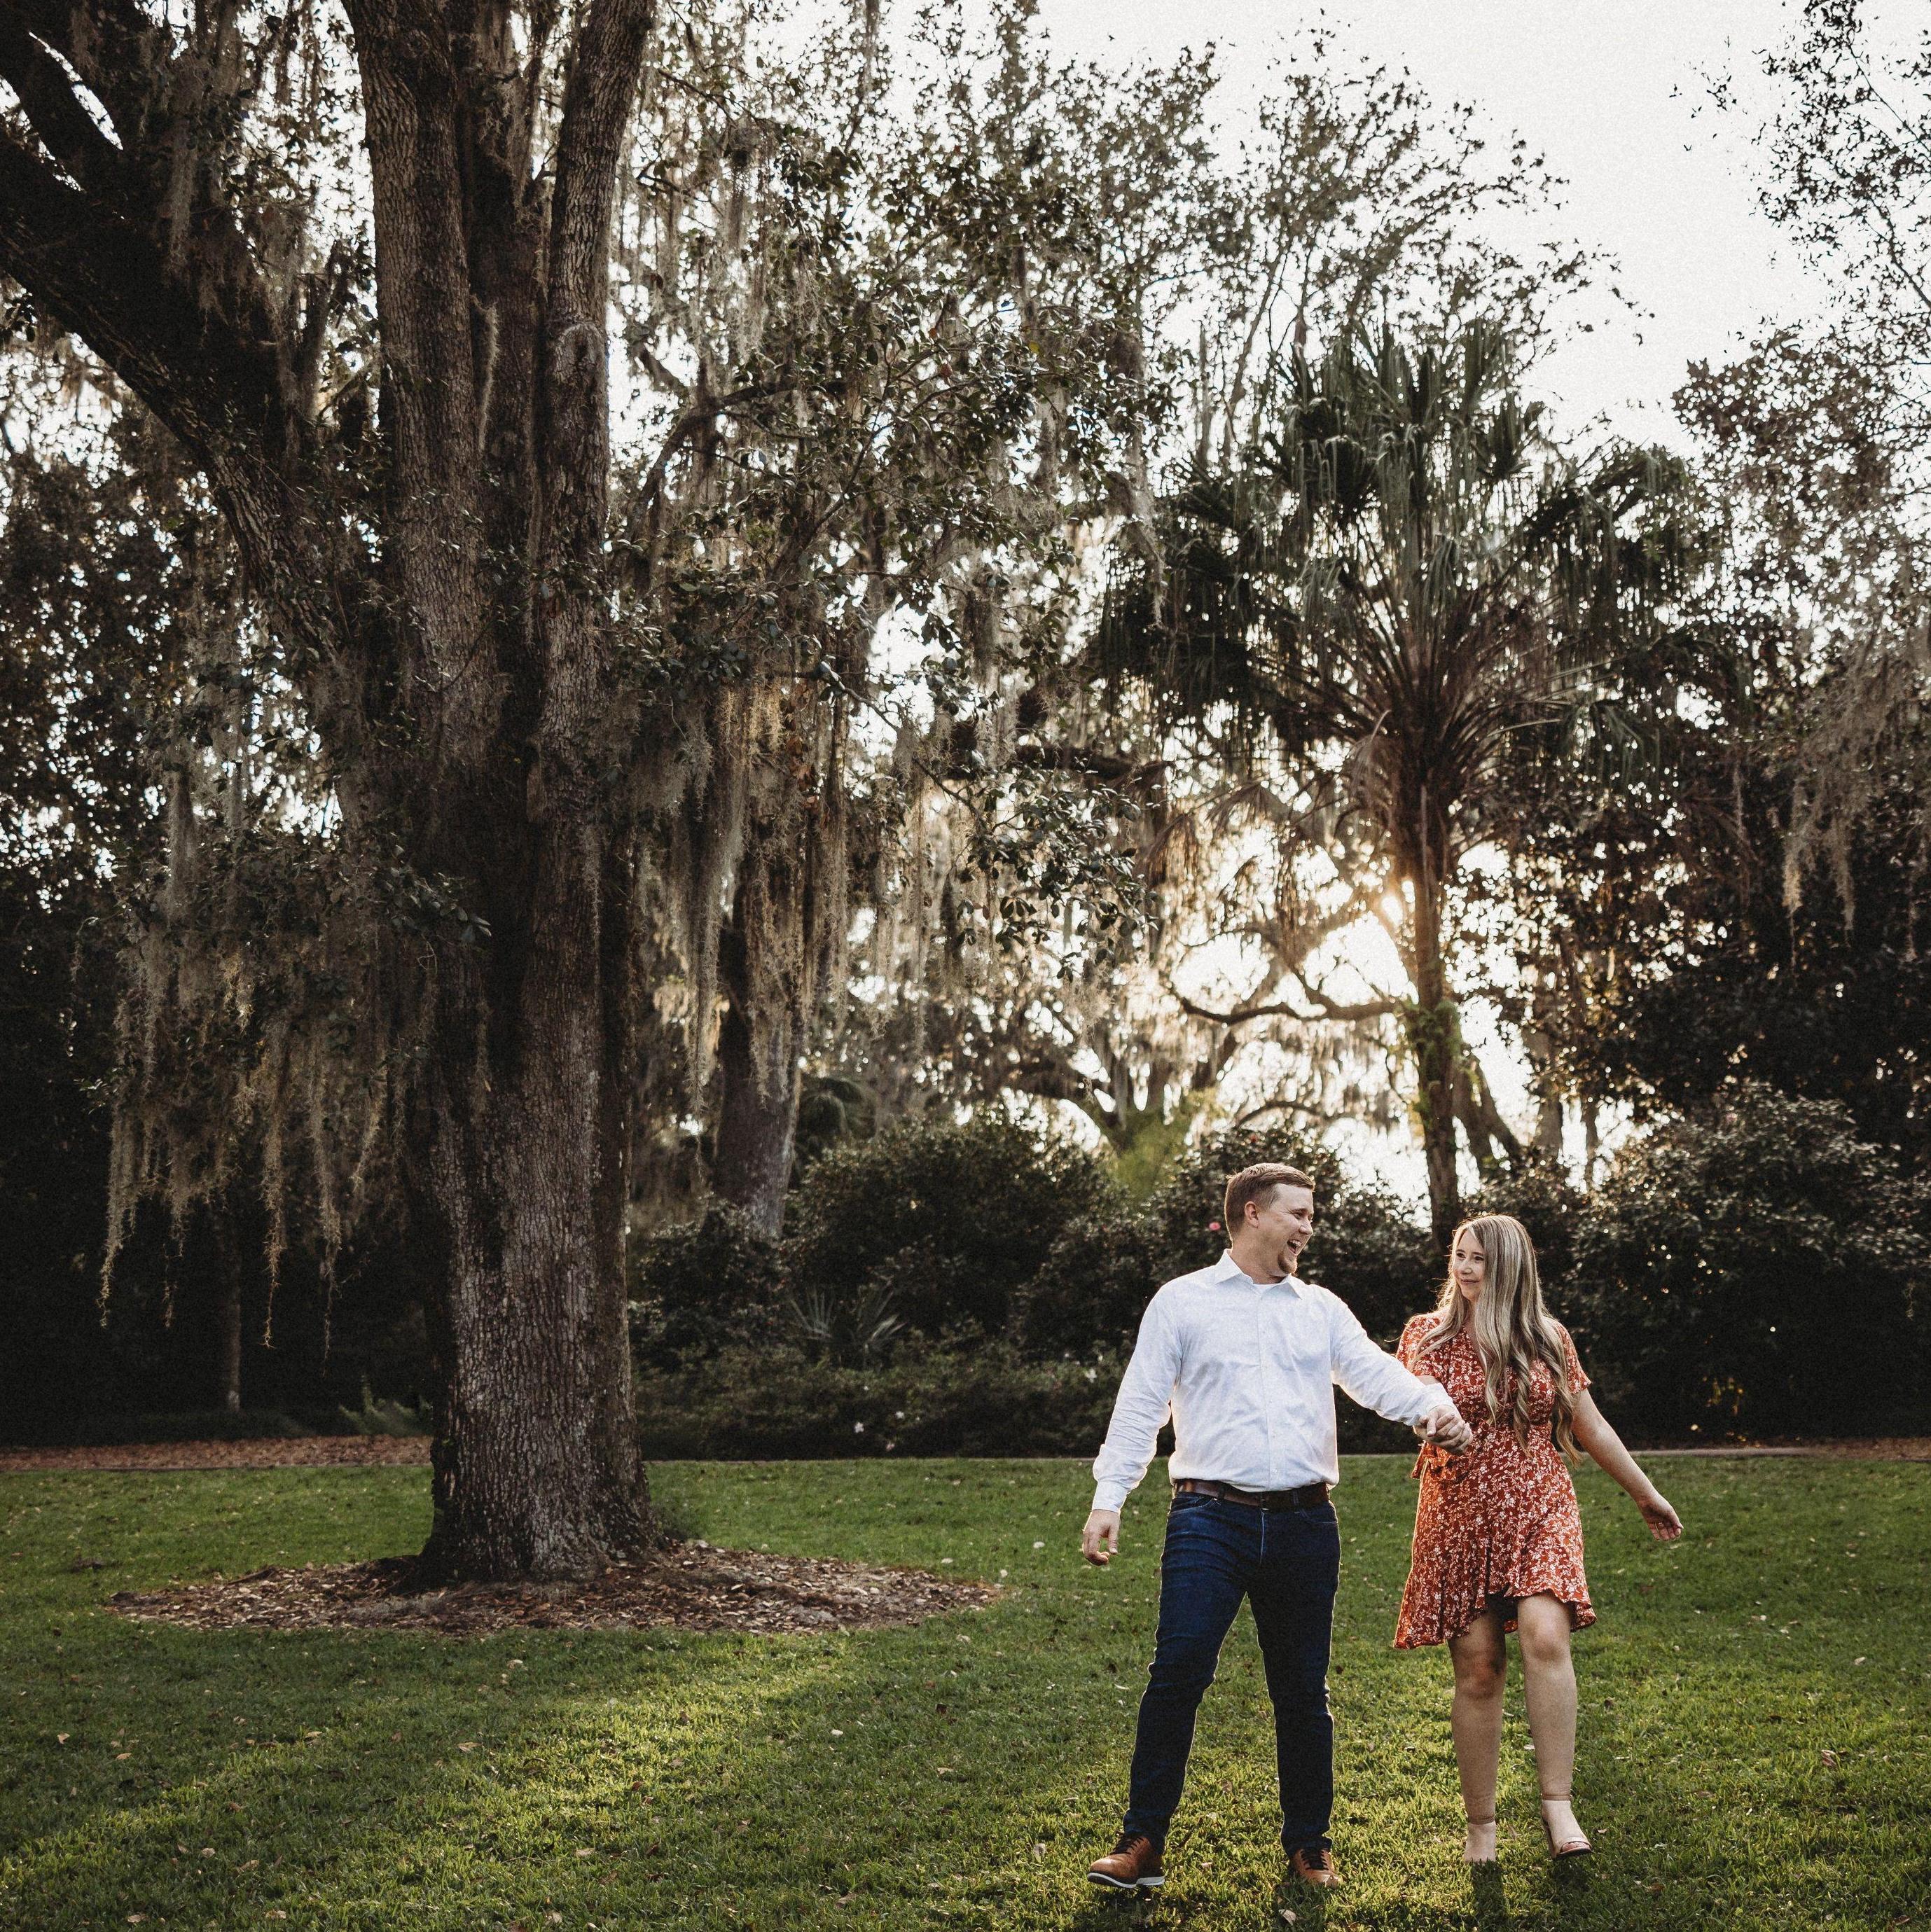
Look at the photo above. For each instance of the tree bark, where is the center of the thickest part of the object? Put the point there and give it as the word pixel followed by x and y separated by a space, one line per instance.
pixel 536 1467
pixel 757 1121
pixel 1434 1029
pixel 229 1263
pixel 775 948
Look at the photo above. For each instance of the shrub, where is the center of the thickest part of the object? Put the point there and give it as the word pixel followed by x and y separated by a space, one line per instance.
pixel 953 1218
pixel 1753 1269
pixel 699 1285
pixel 946 1399
pixel 1370 1248
pixel 1539 1195
pixel 1091 1291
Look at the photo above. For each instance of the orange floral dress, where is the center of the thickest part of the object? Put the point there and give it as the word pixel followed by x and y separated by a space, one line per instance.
pixel 1499 1520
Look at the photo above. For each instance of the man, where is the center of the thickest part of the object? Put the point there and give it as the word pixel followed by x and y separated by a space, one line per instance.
pixel 1246 1356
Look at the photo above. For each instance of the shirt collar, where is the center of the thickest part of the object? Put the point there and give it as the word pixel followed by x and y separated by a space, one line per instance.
pixel 1227 1269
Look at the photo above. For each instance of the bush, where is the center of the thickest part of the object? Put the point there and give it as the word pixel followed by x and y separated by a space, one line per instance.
pixel 1539 1195
pixel 701 1286
pixel 931 1399
pixel 1369 1248
pixel 1754 1269
pixel 952 1219
pixel 203 1425
pixel 1091 1291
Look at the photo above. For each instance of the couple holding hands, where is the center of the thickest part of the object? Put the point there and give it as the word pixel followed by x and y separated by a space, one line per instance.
pixel 1244 1356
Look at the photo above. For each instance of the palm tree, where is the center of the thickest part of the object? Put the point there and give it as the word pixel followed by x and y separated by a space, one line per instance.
pixel 1402 577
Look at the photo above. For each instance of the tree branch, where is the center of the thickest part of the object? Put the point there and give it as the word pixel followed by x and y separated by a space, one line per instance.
pixel 65 128
pixel 216 386
pixel 115 48
pixel 605 64
pixel 1329 1010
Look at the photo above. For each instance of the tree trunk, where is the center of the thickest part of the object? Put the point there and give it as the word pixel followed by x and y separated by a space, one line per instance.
pixel 1435 1042
pixel 757 1117
pixel 1482 1122
pixel 536 1473
pixel 774 951
pixel 229 1261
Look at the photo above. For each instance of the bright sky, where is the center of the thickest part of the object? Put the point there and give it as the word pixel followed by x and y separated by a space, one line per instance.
pixel 1614 94
pixel 1617 97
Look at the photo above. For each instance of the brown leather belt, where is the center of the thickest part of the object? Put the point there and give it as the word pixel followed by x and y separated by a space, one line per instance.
pixel 1310 1495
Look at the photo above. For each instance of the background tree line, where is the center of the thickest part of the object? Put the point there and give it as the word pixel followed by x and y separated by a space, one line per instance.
pixel 462 822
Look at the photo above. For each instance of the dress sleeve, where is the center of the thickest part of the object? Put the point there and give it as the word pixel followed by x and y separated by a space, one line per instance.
pixel 1577 1382
pixel 1410 1345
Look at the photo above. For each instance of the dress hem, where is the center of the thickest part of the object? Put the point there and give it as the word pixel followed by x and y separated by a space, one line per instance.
pixel 1581 1615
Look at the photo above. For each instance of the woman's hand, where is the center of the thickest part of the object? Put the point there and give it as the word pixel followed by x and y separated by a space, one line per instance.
pixel 1665 1524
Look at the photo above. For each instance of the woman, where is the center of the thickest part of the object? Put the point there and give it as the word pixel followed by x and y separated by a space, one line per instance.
pixel 1498 1543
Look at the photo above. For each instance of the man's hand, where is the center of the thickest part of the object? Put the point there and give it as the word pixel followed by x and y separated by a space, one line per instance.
pixel 1444 1426
pixel 1101 1537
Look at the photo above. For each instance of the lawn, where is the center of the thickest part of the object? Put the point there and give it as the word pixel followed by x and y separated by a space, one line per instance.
pixel 1755 1750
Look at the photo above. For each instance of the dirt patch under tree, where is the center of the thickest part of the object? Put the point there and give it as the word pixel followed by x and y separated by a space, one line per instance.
pixel 690 1586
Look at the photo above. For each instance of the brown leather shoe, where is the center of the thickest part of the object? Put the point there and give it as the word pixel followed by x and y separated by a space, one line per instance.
pixel 1132 1865
pixel 1314 1865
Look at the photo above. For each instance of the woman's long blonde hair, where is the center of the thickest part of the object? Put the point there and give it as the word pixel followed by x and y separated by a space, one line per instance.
pixel 1513 1330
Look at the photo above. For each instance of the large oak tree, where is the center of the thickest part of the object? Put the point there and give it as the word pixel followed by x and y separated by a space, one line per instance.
pixel 438 581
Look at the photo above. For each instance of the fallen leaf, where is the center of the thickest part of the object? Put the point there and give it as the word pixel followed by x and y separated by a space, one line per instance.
pixel 1830 1757
pixel 466 1747
pixel 60 1737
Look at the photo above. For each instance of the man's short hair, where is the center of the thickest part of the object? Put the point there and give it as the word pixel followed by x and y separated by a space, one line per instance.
pixel 1251 1183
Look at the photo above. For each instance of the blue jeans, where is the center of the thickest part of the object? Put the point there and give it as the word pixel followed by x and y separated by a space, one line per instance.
pixel 1285 1563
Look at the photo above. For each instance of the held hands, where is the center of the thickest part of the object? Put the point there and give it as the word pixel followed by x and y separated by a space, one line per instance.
pixel 1101 1537
pixel 1443 1428
pixel 1665 1524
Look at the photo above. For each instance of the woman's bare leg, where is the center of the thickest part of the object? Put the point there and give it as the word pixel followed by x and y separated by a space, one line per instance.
pixel 1549 1689
pixel 1481 1669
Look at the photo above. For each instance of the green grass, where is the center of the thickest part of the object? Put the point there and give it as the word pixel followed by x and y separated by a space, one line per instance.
pixel 960 1774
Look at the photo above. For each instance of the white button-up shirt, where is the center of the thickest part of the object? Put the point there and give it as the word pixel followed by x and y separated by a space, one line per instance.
pixel 1248 1369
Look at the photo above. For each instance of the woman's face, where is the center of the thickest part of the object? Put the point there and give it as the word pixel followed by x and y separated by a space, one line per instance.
pixel 1469 1266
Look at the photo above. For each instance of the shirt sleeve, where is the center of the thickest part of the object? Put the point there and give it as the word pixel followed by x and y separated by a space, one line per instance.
pixel 1146 1393
pixel 1374 1377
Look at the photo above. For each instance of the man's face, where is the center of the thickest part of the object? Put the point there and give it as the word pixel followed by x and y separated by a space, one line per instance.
pixel 1282 1219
